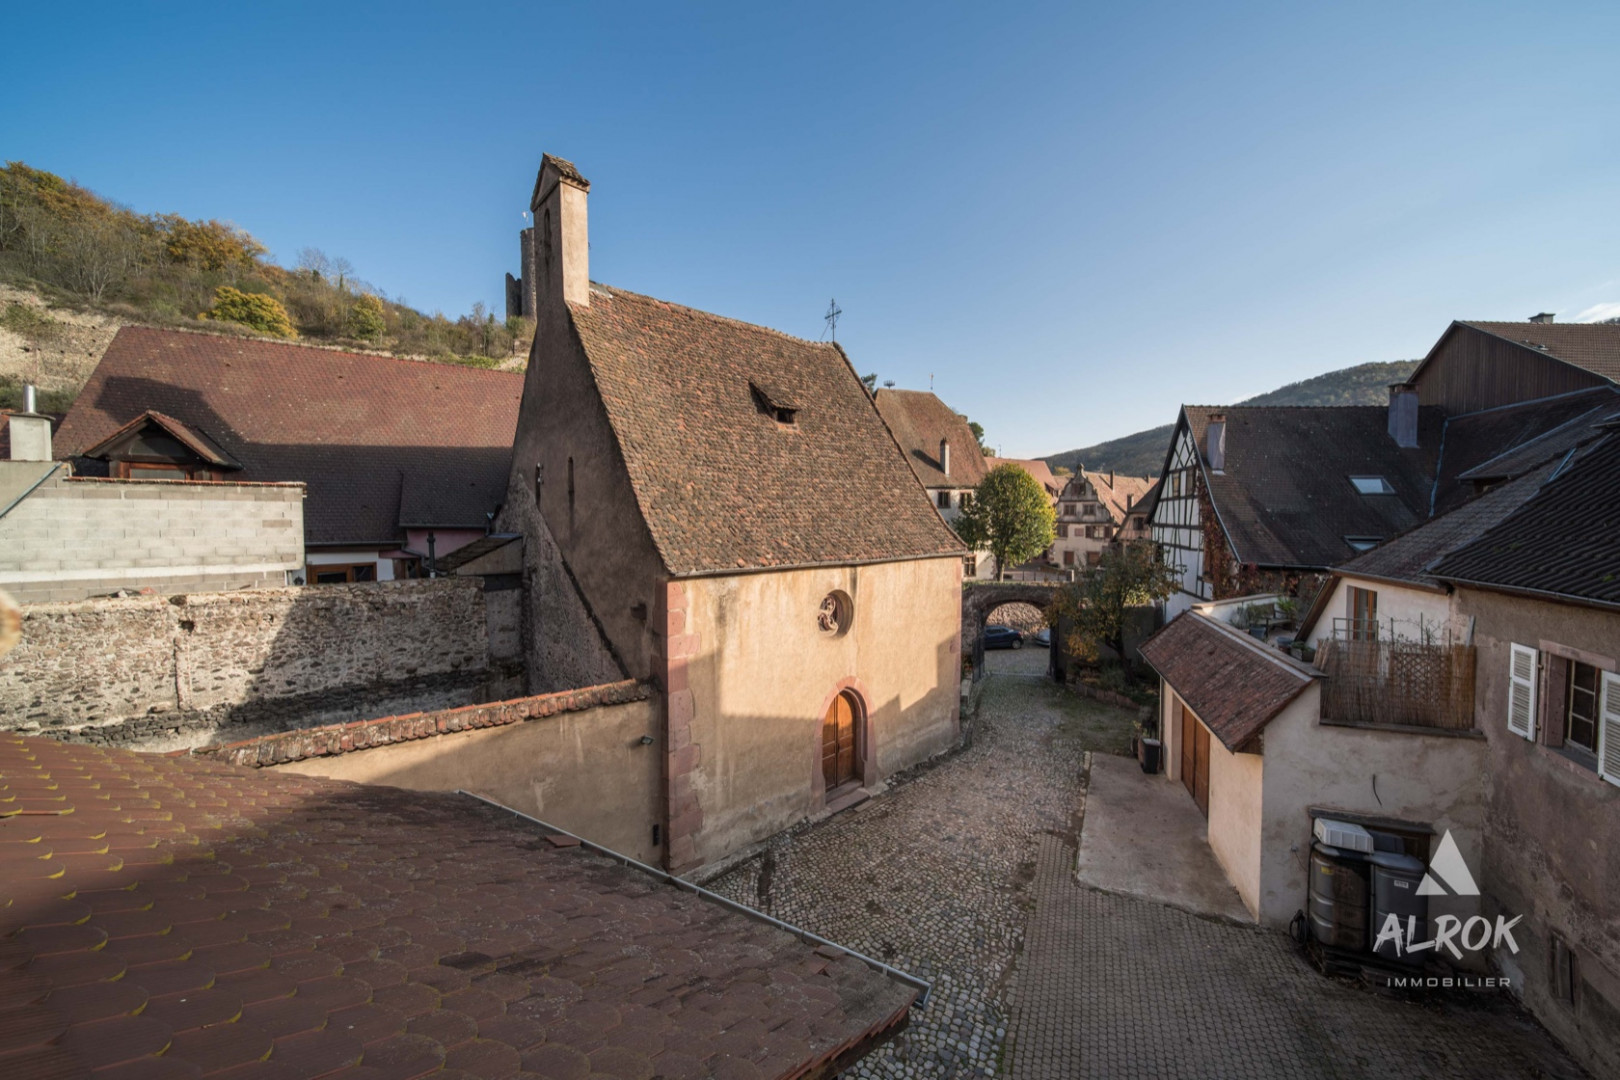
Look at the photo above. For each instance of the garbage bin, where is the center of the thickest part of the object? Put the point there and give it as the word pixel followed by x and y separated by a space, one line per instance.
pixel 1395 881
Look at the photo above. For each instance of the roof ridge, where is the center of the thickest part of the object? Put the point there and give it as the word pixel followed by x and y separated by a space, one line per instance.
pixel 340 350
pixel 610 291
pixel 1282 659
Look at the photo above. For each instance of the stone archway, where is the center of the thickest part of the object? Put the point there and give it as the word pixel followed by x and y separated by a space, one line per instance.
pixel 979 599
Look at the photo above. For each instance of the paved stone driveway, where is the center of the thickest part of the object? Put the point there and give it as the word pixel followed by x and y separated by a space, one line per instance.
pixel 934 877
pixel 945 874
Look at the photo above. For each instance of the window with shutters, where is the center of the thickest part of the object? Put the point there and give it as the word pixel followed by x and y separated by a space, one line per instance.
pixel 1521 705
pixel 1608 747
pixel 1581 709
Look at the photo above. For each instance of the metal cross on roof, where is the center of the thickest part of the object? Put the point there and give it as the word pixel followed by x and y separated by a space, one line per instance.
pixel 831 318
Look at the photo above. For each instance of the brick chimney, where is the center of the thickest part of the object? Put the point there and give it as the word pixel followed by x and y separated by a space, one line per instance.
pixel 944 457
pixel 1215 442
pixel 561 250
pixel 1403 415
pixel 30 432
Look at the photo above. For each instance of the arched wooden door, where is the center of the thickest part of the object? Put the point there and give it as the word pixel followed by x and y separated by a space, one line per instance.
pixel 838 743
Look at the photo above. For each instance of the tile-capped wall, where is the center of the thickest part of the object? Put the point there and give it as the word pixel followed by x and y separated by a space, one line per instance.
pixel 174 671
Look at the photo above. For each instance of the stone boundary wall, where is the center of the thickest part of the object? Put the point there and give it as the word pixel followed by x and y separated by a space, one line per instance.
pixel 166 672
pixel 75 537
pixel 285 747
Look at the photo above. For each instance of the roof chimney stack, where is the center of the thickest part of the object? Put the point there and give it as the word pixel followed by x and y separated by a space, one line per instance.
pixel 945 457
pixel 1543 317
pixel 30 432
pixel 562 250
pixel 1403 415
pixel 1215 442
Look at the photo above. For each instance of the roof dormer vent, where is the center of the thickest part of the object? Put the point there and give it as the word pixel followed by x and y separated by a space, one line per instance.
pixel 773 402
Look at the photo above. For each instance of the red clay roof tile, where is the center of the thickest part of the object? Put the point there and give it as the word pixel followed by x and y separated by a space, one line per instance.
pixel 294 927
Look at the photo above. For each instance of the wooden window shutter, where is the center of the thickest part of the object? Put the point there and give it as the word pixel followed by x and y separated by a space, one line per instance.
pixel 1608 746
pixel 1521 719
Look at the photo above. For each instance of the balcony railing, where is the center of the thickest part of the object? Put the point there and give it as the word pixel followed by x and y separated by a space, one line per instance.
pixel 1409 683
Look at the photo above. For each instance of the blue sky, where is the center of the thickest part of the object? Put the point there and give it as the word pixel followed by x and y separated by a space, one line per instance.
pixel 1072 217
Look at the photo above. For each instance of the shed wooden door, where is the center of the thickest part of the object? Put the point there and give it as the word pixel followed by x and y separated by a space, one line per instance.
pixel 838 743
pixel 1195 758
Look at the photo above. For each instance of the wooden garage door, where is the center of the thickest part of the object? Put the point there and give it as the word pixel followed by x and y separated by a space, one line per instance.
pixel 1195 758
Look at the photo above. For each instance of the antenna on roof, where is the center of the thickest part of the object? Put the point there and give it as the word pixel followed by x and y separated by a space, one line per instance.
pixel 831 319
pixel 930 382
pixel 889 383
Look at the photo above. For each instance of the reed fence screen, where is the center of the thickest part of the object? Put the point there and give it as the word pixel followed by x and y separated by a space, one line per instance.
pixel 1398 682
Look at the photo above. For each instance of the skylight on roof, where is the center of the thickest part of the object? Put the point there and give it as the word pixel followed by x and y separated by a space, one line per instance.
pixel 1362 543
pixel 1372 485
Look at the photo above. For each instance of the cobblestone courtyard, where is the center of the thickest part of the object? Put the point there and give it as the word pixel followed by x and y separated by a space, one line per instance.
pixel 964 875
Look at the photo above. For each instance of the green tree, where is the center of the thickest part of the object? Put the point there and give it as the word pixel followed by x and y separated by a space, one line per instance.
pixel 978 434
pixel 366 320
pixel 1097 604
pixel 255 310
pixel 1009 514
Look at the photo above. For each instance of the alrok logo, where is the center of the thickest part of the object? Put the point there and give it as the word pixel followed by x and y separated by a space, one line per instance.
pixel 1448 876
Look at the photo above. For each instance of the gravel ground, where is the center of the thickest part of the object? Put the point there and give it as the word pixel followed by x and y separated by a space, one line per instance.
pixel 934 876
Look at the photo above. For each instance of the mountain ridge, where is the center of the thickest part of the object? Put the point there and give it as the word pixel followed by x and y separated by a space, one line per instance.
pixel 1142 453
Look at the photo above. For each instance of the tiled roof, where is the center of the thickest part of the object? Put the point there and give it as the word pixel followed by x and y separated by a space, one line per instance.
pixel 1285 498
pixel 1149 500
pixel 1593 346
pixel 919 421
pixel 1040 470
pixel 1559 542
pixel 1408 557
pixel 1473 440
pixel 174 917
pixel 1118 493
pixel 721 484
pixel 357 429
pixel 1234 684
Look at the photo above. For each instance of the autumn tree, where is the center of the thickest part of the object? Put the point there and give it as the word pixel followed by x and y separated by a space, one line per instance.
pixel 366 318
pixel 1097 605
pixel 1010 514
pixel 253 310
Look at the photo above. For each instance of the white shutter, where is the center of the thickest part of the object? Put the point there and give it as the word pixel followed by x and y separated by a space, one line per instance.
pixel 1521 718
pixel 1608 746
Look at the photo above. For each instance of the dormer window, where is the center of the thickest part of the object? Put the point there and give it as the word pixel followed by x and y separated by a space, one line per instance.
pixel 1362 543
pixel 774 403
pixel 1372 485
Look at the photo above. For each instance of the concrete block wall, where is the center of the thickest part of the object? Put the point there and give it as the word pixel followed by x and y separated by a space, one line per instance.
pixel 168 672
pixel 77 537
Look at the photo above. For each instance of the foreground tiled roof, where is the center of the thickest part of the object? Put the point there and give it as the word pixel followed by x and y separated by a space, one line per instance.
pixel 721 484
pixel 356 429
pixel 1561 542
pixel 1286 498
pixel 177 918
pixel 1593 346
pixel 919 420
pixel 1234 684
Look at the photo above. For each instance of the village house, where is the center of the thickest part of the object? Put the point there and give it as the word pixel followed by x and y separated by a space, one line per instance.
pixel 1460 673
pixel 403 461
pixel 1097 510
pixel 726 508
pixel 943 454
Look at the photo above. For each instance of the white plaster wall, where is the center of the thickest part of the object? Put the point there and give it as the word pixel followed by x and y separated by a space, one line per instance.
pixel 764 673
pixel 1411 608
pixel 1236 791
pixel 1426 779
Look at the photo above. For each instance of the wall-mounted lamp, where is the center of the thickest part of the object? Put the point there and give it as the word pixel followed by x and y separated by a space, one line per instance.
pixel 646 740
